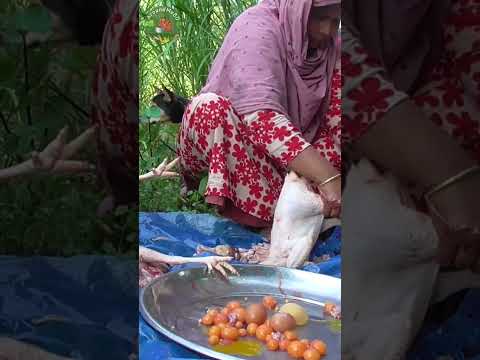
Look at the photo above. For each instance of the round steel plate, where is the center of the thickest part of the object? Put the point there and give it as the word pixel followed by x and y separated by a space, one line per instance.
pixel 173 303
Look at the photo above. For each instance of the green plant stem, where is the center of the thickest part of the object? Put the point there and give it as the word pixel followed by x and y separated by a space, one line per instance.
pixel 5 124
pixel 60 93
pixel 26 76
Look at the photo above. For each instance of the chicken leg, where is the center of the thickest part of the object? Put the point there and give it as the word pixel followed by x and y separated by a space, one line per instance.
pixel 153 263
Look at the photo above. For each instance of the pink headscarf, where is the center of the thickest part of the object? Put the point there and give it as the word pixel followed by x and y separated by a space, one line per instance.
pixel 263 64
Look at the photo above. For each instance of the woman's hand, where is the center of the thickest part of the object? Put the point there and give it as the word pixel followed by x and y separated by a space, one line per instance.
pixel 312 166
pixel 331 194
pixel 458 224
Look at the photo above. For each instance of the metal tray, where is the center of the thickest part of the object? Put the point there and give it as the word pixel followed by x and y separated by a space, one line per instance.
pixel 172 304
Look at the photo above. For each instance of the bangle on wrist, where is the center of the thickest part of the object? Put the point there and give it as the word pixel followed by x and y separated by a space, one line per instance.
pixel 330 179
pixel 450 181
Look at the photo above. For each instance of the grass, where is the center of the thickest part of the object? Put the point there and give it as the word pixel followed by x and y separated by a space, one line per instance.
pixel 181 65
pixel 46 215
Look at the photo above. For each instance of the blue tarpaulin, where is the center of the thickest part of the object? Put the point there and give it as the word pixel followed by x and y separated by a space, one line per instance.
pixel 89 300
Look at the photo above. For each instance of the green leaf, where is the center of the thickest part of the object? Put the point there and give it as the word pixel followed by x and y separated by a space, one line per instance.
pixel 32 19
pixel 203 185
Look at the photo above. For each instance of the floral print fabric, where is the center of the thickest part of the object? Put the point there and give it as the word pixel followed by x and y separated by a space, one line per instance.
pixel 449 94
pixel 246 157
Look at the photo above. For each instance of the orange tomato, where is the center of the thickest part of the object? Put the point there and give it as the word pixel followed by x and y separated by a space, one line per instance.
pixel 272 345
pixel 252 329
pixel 225 311
pixel 213 340
pixel 207 320
pixel 240 313
pixel 242 332
pixel 230 333
pixel 269 302
pixel 220 319
pixel 215 330
pixel 311 354
pixel 233 305
pixel 320 346
pixel 296 349
pixel 306 342
pixel 262 332
pixel 290 335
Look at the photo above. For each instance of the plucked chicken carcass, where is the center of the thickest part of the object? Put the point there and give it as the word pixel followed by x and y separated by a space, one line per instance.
pixel 390 276
pixel 297 223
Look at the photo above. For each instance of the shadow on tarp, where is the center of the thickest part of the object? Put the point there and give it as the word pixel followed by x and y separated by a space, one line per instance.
pixel 180 235
pixel 94 300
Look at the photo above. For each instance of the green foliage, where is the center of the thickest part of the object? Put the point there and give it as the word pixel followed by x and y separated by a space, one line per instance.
pixel 181 64
pixel 46 215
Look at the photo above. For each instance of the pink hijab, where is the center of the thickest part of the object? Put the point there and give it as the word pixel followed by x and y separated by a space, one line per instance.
pixel 263 64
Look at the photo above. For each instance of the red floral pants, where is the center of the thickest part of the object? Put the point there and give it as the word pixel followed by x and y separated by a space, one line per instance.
pixel 450 96
pixel 246 157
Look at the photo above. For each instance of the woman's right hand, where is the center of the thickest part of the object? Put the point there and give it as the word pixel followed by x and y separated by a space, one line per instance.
pixel 331 194
pixel 314 167
pixel 459 239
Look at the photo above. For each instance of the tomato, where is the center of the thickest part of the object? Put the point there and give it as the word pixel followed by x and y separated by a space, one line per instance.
pixel 230 333
pixel 320 346
pixel 269 302
pixel 311 354
pixel 272 345
pixel 207 320
pixel 215 330
pixel 213 340
pixel 220 319
pixel 252 329
pixel 290 335
pixel 240 313
pixel 242 332
pixel 263 331
pixel 296 349
pixel 225 311
pixel 306 342
pixel 233 305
